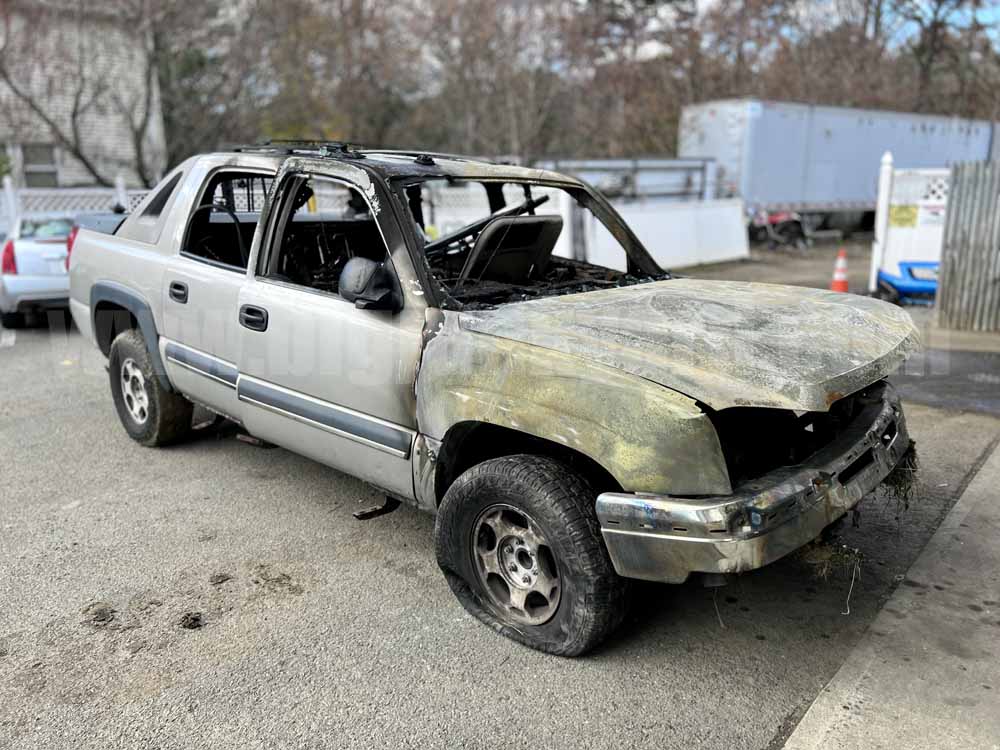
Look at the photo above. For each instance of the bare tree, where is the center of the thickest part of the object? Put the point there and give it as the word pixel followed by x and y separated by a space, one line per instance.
pixel 63 69
pixel 532 79
pixel 936 22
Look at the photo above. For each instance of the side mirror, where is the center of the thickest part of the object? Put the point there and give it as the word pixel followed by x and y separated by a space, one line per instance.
pixel 369 285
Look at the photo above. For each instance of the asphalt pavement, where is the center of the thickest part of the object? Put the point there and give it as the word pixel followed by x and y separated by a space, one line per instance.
pixel 217 594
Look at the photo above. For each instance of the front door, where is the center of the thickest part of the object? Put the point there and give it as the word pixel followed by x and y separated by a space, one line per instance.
pixel 318 375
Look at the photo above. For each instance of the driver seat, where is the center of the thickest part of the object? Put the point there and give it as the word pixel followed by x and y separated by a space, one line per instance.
pixel 512 249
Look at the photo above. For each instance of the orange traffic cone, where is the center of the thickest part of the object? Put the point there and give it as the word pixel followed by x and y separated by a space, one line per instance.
pixel 839 282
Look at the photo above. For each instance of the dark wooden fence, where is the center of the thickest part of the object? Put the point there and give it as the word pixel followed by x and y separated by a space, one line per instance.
pixel 968 295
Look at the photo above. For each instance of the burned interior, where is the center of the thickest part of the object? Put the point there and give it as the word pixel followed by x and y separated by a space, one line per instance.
pixel 321 224
pixel 222 224
pixel 488 242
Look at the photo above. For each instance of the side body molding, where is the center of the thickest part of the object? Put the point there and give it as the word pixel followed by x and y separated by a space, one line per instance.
pixel 118 294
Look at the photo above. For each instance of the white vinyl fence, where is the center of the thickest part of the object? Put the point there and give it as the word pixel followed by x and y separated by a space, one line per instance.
pixel 39 203
pixel 909 223
pixel 676 233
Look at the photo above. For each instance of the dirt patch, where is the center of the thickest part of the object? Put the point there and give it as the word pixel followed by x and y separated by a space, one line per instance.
pixel 192 620
pixel 275 580
pixel 98 614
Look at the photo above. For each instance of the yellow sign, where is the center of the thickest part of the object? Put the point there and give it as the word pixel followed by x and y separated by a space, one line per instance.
pixel 902 216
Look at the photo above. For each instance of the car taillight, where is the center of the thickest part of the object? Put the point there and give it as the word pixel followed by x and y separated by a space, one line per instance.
pixel 9 262
pixel 70 239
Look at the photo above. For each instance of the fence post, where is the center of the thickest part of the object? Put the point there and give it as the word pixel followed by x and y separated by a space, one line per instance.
pixel 10 196
pixel 710 178
pixel 121 194
pixel 881 219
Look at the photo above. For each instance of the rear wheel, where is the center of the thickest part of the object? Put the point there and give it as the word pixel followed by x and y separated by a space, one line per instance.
pixel 519 542
pixel 150 414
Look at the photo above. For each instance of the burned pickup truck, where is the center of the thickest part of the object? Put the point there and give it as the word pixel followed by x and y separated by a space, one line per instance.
pixel 426 323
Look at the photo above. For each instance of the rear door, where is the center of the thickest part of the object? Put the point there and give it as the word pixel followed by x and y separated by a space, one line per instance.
pixel 201 287
pixel 318 375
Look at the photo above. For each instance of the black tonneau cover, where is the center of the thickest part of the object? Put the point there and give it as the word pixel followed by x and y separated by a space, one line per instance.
pixel 103 223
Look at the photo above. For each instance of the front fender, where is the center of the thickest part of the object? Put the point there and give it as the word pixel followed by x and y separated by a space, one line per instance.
pixel 649 438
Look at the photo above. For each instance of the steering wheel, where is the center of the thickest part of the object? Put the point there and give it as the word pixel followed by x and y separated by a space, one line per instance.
pixel 236 220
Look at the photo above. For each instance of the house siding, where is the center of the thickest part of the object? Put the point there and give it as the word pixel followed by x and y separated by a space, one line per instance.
pixel 113 61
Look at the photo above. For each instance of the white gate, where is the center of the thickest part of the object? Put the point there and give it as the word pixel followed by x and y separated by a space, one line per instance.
pixel 909 229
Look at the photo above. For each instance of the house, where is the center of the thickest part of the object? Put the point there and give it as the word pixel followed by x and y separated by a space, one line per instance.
pixel 79 102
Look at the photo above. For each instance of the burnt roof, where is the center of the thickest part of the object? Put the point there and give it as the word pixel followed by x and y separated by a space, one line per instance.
pixel 392 163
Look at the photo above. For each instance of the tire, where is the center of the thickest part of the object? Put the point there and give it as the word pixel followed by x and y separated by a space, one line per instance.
pixel 555 506
pixel 150 414
pixel 12 320
pixel 886 293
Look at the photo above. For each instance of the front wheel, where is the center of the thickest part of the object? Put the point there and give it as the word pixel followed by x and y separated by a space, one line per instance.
pixel 150 414
pixel 519 542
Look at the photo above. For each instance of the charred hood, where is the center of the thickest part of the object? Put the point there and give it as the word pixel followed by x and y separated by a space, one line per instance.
pixel 724 343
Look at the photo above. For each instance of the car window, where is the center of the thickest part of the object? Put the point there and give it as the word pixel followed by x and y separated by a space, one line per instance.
pixel 45 229
pixel 448 206
pixel 159 201
pixel 222 224
pixel 488 242
pixel 322 224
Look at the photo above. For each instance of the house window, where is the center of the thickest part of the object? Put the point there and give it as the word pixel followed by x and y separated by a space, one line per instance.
pixel 39 162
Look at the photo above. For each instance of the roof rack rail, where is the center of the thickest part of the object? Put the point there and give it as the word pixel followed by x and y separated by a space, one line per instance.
pixel 323 148
pixel 417 154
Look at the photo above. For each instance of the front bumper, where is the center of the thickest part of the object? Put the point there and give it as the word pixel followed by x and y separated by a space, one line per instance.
pixel 661 538
pixel 19 293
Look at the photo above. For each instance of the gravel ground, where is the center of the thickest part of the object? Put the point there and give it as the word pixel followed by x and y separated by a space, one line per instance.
pixel 221 595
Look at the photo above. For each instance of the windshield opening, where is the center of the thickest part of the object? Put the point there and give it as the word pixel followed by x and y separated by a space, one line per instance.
pixel 488 243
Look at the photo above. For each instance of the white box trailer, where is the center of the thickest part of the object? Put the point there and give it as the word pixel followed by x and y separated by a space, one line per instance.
pixel 799 157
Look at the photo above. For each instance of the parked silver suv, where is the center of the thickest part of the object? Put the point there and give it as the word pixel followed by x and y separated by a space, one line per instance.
pixel 423 322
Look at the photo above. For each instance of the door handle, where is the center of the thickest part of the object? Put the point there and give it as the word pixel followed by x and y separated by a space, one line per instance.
pixel 253 317
pixel 179 292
